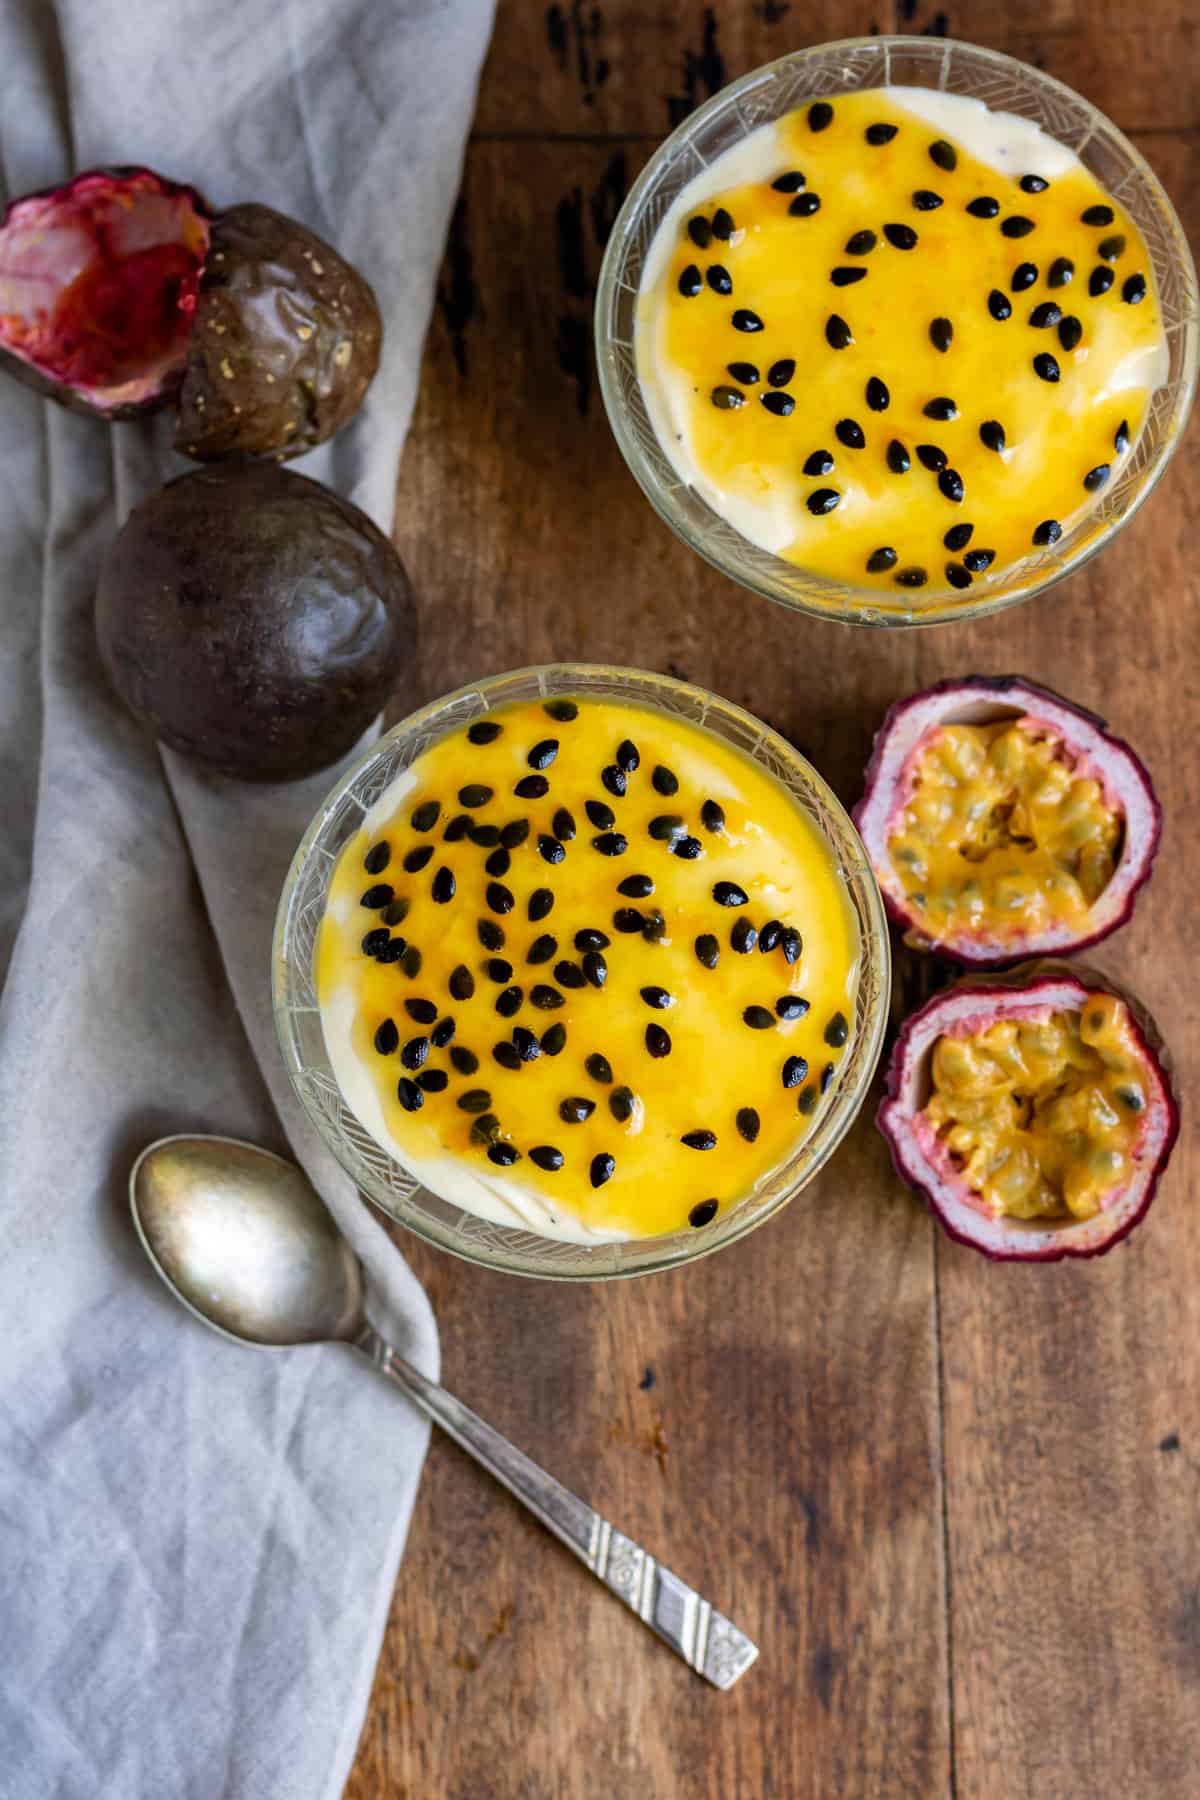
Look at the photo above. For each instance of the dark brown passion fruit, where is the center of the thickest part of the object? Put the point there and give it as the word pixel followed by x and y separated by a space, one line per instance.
pixel 285 346
pixel 1003 821
pixel 1033 1111
pixel 254 620
pixel 121 292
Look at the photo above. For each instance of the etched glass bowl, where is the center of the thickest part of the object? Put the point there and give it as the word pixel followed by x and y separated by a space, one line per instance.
pixel 386 1181
pixel 767 93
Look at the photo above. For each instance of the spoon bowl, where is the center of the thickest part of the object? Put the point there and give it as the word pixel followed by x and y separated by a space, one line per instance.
pixel 245 1242
pixel 240 1236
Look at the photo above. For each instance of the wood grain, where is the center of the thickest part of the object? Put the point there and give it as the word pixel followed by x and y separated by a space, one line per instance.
pixel 774 1421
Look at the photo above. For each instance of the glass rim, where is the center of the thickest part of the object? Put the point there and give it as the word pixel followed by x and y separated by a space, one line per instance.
pixel 622 1258
pixel 863 607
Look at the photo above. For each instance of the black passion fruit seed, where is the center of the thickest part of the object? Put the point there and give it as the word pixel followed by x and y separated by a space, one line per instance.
pixel 699 1140
pixel 748 1123
pixel 794 1071
pixel 900 237
pixel 943 154
pixel 703 1213
pixel 791 1006
pixel 1060 272
pixel 999 305
pixel 758 1018
pixel 861 243
pixel 985 207
pixel 743 937
pixel 1048 532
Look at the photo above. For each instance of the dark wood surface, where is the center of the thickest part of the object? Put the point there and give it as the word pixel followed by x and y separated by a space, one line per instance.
pixel 955 1504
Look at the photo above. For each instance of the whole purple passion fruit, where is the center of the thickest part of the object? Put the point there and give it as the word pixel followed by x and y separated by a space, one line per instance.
pixel 122 291
pixel 1003 822
pixel 1033 1111
pixel 253 620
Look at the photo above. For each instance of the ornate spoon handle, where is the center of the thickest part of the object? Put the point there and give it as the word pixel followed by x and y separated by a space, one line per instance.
pixel 703 1637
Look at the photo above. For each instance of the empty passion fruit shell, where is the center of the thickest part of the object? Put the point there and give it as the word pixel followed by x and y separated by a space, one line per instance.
pixel 1003 822
pixel 122 291
pixel 1033 1111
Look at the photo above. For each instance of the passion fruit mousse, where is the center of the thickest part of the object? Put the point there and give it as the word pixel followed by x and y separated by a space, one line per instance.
pixel 1002 821
pixel 1033 1112
pixel 899 339
pixel 588 971
pixel 122 292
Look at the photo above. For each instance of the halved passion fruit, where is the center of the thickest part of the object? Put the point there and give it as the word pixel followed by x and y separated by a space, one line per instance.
pixel 99 282
pixel 1033 1111
pixel 1003 822
pixel 122 291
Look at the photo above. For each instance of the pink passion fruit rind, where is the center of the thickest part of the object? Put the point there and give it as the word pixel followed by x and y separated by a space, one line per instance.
pixel 122 292
pixel 99 282
pixel 979 699
pixel 1031 992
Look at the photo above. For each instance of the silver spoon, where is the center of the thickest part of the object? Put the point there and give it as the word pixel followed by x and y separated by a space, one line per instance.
pixel 243 1240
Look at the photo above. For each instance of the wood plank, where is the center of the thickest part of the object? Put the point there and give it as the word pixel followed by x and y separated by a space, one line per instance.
pixel 625 69
pixel 1072 1422
pixel 785 1458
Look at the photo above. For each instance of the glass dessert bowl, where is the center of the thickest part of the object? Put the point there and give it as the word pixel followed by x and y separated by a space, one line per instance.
pixel 979 372
pixel 575 1007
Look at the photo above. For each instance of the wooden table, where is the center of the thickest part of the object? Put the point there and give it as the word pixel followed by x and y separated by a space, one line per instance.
pixel 956 1504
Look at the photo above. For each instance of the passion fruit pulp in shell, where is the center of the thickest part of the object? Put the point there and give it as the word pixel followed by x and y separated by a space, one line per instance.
pixel 121 292
pixel 254 620
pixel 1002 821
pixel 1033 1111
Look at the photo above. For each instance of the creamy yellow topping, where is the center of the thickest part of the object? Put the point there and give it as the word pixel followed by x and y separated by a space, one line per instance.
pixel 1041 1116
pixel 498 1039
pixel 1002 832
pixel 871 302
